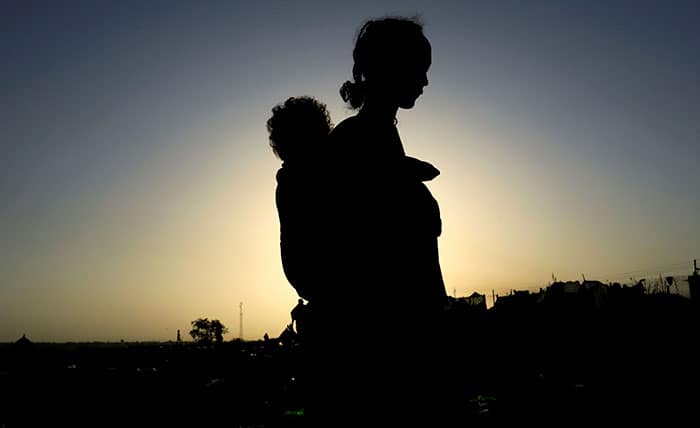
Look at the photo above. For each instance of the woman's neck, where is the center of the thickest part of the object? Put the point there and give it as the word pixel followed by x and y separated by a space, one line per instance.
pixel 380 111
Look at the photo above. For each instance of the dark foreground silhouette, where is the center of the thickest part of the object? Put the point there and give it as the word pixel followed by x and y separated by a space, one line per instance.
pixel 359 240
pixel 557 358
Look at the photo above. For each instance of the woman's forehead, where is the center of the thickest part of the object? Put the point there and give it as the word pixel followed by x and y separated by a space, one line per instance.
pixel 415 49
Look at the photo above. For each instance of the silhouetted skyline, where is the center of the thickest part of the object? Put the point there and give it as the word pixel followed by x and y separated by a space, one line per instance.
pixel 137 185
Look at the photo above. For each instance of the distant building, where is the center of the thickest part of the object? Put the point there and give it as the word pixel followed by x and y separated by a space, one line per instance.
pixel 23 342
pixel 564 288
pixel 586 295
pixel 596 292
pixel 474 303
pixel 476 300
pixel 625 293
pixel 561 292
pixel 519 299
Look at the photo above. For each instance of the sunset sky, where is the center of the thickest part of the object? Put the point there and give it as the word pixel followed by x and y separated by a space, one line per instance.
pixel 137 184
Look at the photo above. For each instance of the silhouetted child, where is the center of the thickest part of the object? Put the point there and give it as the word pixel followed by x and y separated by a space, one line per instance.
pixel 299 127
pixel 298 133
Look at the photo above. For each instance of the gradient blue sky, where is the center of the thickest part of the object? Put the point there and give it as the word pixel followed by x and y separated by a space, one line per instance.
pixel 137 184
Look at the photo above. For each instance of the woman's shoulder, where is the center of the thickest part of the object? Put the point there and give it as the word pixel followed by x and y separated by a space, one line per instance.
pixel 347 128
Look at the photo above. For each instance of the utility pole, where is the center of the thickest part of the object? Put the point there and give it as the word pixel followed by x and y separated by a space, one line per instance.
pixel 240 325
pixel 694 282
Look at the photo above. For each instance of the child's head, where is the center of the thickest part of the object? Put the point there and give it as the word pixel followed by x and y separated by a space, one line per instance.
pixel 297 126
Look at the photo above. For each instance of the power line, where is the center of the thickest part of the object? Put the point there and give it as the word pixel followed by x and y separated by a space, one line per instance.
pixel 654 270
pixel 671 269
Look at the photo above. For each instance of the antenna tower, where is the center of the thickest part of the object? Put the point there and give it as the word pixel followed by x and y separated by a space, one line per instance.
pixel 240 324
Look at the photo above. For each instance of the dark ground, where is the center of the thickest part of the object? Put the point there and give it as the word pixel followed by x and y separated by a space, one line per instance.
pixel 635 362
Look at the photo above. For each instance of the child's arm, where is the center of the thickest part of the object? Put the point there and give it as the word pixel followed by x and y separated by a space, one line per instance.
pixel 423 171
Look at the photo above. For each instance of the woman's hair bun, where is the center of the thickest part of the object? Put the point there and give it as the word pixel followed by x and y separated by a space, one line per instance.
pixel 353 93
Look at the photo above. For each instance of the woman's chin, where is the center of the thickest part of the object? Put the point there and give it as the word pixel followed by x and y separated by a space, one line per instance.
pixel 410 100
pixel 407 104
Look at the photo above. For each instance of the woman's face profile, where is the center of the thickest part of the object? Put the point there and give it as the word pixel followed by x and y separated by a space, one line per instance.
pixel 407 73
pixel 412 80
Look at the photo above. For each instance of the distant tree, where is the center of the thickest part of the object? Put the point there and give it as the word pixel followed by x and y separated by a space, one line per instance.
pixel 219 330
pixel 206 331
pixel 201 331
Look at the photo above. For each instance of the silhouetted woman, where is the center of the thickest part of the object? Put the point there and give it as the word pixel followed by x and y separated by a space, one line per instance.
pixel 371 332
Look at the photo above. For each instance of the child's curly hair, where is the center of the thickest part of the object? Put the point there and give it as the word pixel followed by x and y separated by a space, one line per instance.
pixel 297 125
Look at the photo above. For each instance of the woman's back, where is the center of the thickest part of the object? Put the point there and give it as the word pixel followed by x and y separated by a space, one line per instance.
pixel 389 220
